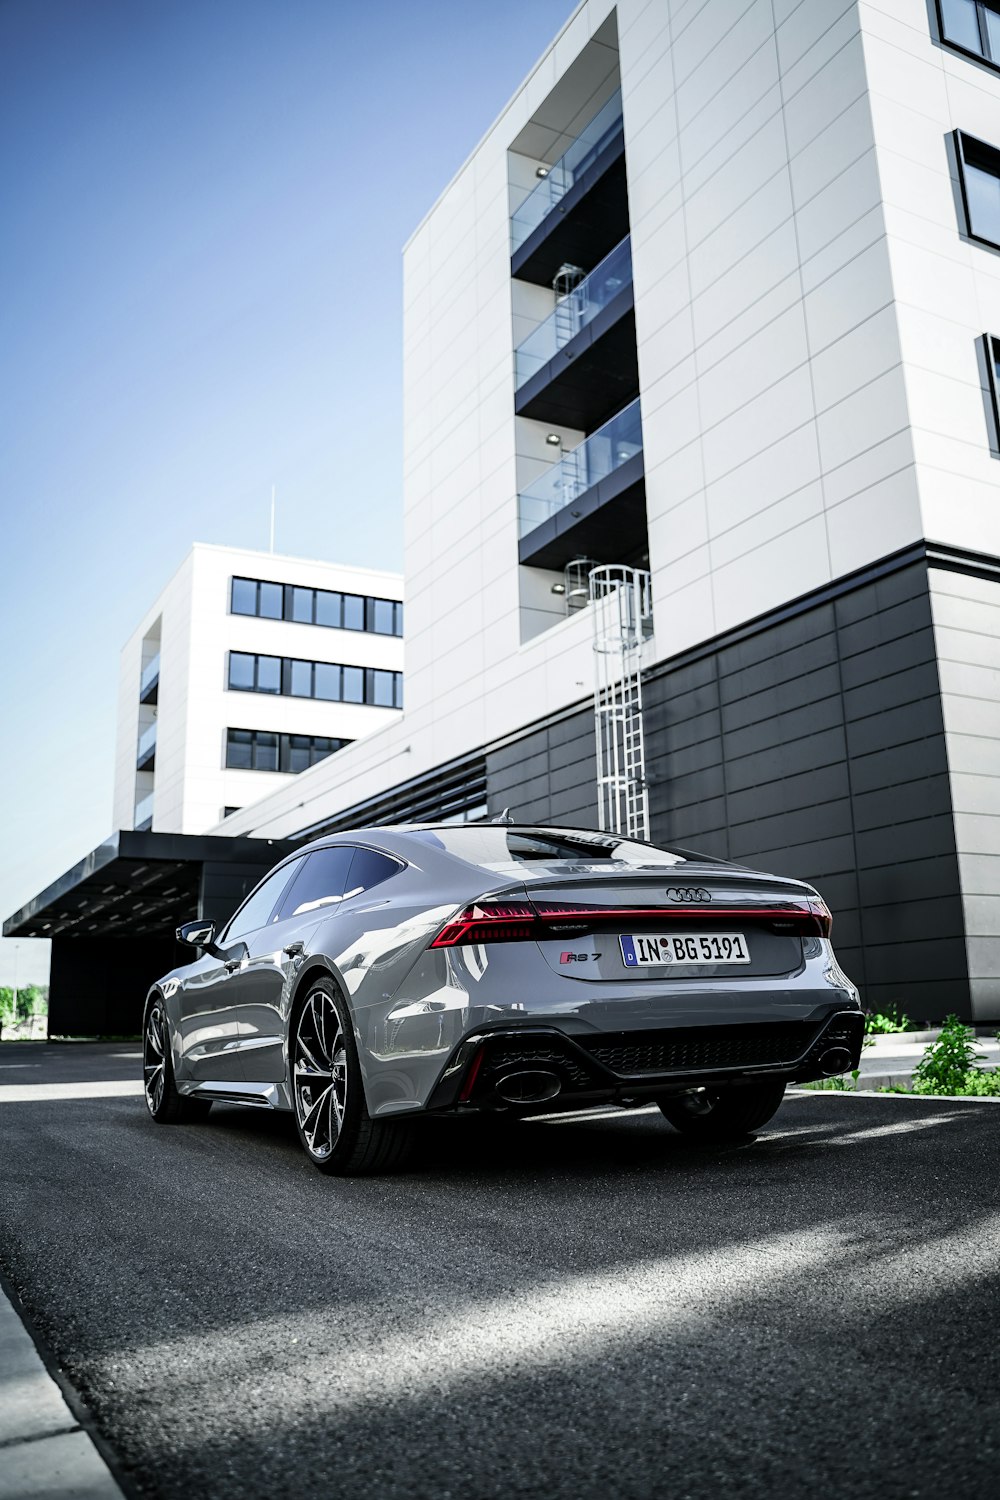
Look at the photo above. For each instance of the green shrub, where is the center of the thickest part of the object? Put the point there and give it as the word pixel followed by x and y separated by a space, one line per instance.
pixel 946 1063
pixel 32 1000
pixel 982 1083
pixel 884 1022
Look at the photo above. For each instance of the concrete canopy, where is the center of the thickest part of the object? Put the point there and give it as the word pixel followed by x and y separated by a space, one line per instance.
pixel 112 918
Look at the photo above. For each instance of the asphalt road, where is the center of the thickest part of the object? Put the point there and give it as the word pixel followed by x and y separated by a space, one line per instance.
pixel 547 1310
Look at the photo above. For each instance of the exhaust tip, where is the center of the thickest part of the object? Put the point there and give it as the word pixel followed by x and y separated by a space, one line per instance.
pixel 835 1060
pixel 529 1086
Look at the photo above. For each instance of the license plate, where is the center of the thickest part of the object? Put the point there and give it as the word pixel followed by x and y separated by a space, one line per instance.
pixel 645 950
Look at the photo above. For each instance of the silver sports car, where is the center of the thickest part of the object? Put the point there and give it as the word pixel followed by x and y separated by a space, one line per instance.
pixel 391 972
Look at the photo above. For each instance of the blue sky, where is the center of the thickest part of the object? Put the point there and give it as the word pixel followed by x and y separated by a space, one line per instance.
pixel 200 294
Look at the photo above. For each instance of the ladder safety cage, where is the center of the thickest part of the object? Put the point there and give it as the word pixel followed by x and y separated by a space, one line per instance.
pixel 621 598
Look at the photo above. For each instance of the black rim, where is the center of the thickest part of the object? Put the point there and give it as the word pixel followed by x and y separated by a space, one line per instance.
pixel 319 1074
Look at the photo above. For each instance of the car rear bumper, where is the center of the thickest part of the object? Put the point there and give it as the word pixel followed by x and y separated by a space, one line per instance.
pixel 546 1067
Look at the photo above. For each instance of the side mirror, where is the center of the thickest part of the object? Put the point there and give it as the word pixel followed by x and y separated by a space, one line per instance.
pixel 197 934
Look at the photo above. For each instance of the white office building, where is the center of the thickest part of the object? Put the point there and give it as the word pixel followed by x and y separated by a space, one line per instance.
pixel 247 669
pixel 717 297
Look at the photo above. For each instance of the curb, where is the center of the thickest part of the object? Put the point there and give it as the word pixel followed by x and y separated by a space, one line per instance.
pixel 804 1093
pixel 48 1444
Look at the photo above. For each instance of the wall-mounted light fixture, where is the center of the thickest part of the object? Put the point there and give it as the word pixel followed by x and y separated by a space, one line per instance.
pixel 541 171
pixel 559 588
pixel 553 439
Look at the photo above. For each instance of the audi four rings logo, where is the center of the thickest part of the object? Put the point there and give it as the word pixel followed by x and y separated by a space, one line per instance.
pixel 688 893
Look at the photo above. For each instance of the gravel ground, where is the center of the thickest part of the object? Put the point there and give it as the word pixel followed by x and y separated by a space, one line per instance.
pixel 568 1310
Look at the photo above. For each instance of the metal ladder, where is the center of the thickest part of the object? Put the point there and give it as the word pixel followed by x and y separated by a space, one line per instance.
pixel 623 617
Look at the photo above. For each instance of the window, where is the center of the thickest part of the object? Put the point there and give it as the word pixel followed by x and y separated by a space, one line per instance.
pixel 254 674
pixel 327 681
pixel 263 750
pixel 354 612
pixel 972 26
pixel 271 601
pixel 493 846
pixel 299 753
pixel 253 596
pixel 979 167
pixel 382 690
pixel 369 868
pixel 242 673
pixel 314 679
pixel 354 685
pixel 239 749
pixel 306 606
pixel 257 908
pixel 321 882
pixel 385 616
pixel 991 351
pixel 301 679
pixel 266 752
pixel 302 605
pixel 244 596
pixel 251 750
pixel 329 608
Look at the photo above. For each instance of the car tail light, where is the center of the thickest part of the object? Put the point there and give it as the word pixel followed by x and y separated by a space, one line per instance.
pixel 495 922
pixel 534 921
pixel 823 916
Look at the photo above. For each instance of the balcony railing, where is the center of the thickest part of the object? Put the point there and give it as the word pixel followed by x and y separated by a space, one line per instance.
pixel 574 312
pixel 566 171
pixel 146 746
pixel 150 677
pixel 594 459
pixel 144 812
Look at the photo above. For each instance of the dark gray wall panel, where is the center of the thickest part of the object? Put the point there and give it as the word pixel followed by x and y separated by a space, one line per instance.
pixel 814 748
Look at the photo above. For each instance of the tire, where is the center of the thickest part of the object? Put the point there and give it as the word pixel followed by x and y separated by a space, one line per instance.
pixel 166 1106
pixel 726 1114
pixel 337 1133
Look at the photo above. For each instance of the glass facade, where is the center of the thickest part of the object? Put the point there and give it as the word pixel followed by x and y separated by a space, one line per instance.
pixel 295 678
pixel 305 606
pixel 265 750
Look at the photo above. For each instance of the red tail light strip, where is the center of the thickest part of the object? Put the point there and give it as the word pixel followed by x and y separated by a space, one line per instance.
pixel 519 922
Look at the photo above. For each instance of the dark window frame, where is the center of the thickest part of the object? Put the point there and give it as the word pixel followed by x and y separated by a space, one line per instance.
pixel 257 657
pixel 362 605
pixel 983 56
pixel 318 747
pixel 368 677
pixel 990 351
pixel 989 162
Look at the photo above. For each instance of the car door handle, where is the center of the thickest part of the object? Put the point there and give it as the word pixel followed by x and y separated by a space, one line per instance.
pixel 295 950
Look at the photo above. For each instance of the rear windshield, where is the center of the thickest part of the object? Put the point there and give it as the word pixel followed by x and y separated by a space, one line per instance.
pixel 494 846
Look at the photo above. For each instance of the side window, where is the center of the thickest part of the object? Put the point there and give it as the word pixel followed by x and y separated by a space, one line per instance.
pixel 369 868
pixel 256 909
pixel 321 882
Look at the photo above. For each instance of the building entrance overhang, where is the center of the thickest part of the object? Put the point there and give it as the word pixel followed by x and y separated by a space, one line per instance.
pixel 137 884
pixel 112 919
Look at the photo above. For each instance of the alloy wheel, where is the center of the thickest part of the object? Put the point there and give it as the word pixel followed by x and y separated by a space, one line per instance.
pixel 319 1070
pixel 154 1054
